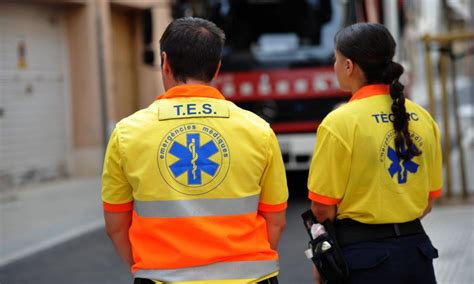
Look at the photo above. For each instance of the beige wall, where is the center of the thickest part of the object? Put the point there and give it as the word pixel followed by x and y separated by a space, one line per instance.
pixel 150 84
pixel 124 63
pixel 84 77
pixel 85 158
pixel 142 4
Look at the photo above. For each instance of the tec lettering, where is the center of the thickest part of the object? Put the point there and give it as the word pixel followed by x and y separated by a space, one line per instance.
pixel 390 117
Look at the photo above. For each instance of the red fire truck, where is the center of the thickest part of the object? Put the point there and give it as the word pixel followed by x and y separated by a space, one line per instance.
pixel 278 63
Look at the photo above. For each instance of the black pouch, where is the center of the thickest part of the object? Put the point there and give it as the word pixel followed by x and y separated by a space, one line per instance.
pixel 330 261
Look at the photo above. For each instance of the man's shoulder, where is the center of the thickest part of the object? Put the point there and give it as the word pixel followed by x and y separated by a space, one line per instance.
pixel 248 117
pixel 141 117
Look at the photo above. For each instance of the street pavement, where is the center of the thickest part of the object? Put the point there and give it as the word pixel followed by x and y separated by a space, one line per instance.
pixel 90 258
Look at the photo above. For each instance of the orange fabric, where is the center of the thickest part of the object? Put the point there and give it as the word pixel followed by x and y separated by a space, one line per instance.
pixel 436 193
pixel 187 91
pixel 323 199
pixel 171 243
pixel 117 208
pixel 369 91
pixel 272 207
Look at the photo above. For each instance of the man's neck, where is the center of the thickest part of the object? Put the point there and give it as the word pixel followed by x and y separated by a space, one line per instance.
pixel 188 82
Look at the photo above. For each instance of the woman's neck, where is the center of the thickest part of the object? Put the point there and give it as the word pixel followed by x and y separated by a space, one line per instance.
pixel 356 85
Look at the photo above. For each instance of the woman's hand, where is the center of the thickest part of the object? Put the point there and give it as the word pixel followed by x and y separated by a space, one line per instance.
pixel 323 211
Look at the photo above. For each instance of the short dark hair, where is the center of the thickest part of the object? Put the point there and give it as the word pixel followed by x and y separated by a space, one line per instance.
pixel 372 47
pixel 193 47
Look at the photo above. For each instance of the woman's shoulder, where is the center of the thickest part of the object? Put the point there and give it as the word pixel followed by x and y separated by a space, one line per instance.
pixel 340 114
pixel 420 110
pixel 340 121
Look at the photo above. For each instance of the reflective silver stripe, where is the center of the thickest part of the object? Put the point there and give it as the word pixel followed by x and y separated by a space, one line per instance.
pixel 198 207
pixel 217 271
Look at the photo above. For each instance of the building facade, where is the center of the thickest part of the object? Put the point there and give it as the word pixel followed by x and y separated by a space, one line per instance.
pixel 69 70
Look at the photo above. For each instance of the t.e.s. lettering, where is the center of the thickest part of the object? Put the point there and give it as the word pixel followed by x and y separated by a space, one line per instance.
pixel 193 109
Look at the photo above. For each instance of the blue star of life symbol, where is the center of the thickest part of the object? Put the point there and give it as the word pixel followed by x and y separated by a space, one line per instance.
pixel 194 158
pixel 403 168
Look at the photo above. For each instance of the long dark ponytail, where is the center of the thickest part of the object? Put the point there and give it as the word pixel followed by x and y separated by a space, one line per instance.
pixel 372 47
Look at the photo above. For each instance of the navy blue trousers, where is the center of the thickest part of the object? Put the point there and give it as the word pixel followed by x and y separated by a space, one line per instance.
pixel 402 260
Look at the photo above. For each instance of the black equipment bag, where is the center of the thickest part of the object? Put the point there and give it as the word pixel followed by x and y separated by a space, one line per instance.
pixel 329 262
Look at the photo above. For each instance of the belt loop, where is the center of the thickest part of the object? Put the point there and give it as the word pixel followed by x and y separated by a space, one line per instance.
pixel 396 229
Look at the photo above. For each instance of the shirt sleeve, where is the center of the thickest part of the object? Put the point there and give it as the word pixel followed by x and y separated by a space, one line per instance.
pixel 116 191
pixel 329 169
pixel 436 176
pixel 274 194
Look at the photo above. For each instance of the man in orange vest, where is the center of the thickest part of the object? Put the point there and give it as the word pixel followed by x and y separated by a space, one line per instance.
pixel 194 188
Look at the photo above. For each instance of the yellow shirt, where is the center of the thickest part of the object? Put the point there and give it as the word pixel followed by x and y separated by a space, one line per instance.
pixel 196 169
pixel 355 167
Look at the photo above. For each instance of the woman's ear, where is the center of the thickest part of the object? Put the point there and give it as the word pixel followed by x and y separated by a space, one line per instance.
pixel 349 67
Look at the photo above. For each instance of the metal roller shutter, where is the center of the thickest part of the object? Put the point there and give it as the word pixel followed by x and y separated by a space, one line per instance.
pixel 33 94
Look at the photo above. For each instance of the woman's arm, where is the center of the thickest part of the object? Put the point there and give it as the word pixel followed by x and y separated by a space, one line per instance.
pixel 323 212
pixel 428 207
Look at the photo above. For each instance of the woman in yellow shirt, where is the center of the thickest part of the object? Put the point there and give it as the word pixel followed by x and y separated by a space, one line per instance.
pixel 377 165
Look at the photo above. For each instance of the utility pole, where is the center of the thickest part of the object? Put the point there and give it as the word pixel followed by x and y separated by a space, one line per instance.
pixel 390 11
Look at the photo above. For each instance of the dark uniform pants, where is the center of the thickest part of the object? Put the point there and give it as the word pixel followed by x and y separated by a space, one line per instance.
pixel 273 280
pixel 402 260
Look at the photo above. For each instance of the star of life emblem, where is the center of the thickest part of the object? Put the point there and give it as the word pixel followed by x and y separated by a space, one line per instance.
pixel 193 158
pixel 399 170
